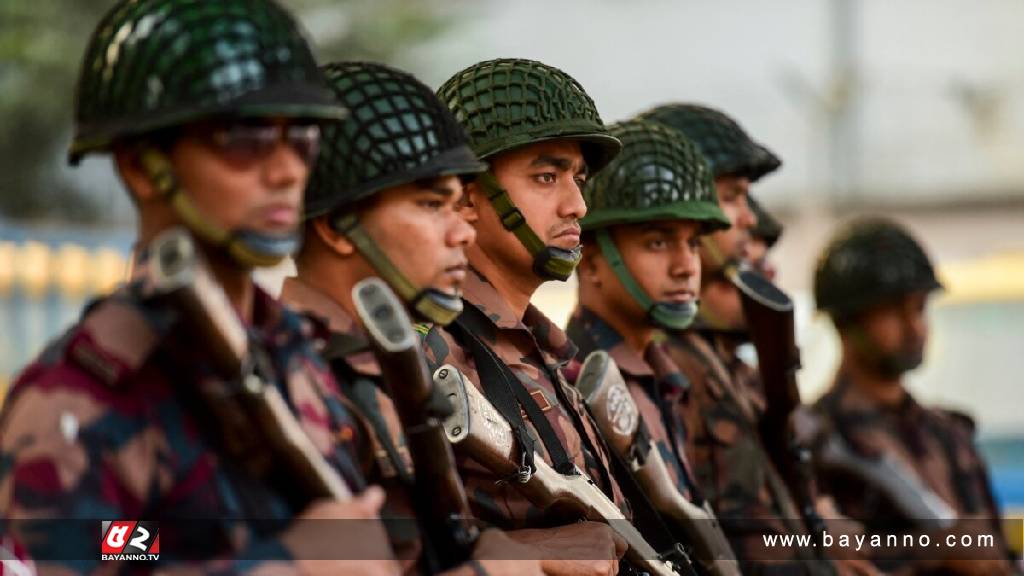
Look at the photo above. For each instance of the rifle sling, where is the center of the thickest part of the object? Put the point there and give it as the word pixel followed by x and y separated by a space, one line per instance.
pixel 508 395
pixel 676 429
pixel 362 392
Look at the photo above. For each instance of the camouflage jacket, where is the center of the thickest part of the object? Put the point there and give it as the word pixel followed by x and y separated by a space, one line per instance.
pixel 656 394
pixel 385 460
pixel 730 464
pixel 935 446
pixel 97 428
pixel 536 351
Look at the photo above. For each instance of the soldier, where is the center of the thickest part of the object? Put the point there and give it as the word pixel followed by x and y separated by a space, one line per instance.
pixel 641 270
pixel 383 201
pixel 874 281
pixel 210 112
pixel 763 237
pixel 541 135
pixel 722 415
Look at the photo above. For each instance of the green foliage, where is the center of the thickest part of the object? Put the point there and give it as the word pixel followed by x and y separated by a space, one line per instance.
pixel 41 47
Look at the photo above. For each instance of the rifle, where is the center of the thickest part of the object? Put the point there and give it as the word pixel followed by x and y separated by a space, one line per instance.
pixel 901 486
pixel 477 429
pixel 438 492
pixel 617 416
pixel 256 427
pixel 772 328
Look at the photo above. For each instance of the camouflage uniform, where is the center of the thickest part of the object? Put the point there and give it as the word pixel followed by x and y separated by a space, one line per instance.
pixel 729 462
pixel 657 395
pixel 936 445
pixel 536 351
pixel 725 399
pixel 367 153
pixel 868 263
pixel 105 424
pixel 504 104
pixel 96 429
pixel 385 459
pixel 659 176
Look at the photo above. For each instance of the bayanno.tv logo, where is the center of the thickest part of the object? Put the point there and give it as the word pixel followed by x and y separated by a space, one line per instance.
pixel 130 540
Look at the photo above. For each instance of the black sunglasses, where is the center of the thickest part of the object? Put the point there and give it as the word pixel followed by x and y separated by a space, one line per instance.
pixel 241 143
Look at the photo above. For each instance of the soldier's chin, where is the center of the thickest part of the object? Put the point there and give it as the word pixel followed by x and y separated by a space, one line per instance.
pixel 449 289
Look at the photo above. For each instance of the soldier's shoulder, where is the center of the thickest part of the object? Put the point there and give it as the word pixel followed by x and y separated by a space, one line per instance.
pixel 686 355
pixel 956 419
pixel 113 339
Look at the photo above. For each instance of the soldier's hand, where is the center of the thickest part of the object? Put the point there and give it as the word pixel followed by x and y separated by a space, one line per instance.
pixel 500 555
pixel 359 545
pixel 855 567
pixel 581 549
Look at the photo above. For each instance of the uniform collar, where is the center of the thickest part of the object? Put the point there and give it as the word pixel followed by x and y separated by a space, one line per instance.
pixel 342 328
pixel 480 293
pixel 851 398
pixel 586 325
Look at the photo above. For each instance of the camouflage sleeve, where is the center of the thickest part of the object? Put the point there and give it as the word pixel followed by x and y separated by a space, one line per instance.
pixel 58 464
pixel 73 454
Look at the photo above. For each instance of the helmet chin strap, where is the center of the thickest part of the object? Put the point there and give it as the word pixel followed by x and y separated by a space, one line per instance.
pixel 549 262
pixel 668 315
pixel 248 248
pixel 430 304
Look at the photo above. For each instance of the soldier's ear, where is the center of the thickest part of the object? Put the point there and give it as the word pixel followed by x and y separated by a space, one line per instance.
pixel 332 239
pixel 133 175
pixel 469 202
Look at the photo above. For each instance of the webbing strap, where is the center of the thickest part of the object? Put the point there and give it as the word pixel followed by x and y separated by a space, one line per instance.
pixel 508 395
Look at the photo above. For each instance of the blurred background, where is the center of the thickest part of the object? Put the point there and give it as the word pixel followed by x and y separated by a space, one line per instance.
pixel 914 109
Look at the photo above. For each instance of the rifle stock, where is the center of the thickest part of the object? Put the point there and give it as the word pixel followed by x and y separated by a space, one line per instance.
pixel 259 430
pixel 617 416
pixel 438 489
pixel 477 429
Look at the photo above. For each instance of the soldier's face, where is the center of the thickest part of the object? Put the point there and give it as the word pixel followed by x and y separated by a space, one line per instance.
pixel 897 333
pixel 419 228
pixel 720 300
pixel 544 181
pixel 662 257
pixel 732 243
pixel 246 175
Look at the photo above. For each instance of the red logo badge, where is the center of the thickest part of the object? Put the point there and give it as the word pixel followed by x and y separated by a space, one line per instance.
pixel 130 540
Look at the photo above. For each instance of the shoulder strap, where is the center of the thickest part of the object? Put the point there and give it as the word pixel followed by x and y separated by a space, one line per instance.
pixel 502 388
pixel 362 392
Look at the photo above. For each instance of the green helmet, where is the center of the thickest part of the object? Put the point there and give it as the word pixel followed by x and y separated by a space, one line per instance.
pixel 152 65
pixel 870 262
pixel 397 132
pixel 768 228
pixel 660 175
pixel 728 148
pixel 507 103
